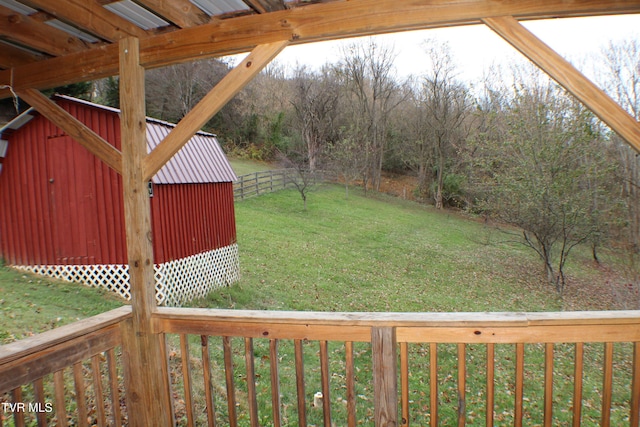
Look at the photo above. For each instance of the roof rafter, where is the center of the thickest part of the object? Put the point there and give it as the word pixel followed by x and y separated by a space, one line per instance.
pixel 300 25
pixel 91 17
pixel 181 12
pixel 25 30
pixel 13 56
pixel 264 6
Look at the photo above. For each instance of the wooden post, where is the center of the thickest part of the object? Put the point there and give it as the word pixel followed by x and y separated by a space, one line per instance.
pixel 147 388
pixel 385 376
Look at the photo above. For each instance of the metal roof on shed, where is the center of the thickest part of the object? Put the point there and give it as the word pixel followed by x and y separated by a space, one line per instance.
pixel 201 160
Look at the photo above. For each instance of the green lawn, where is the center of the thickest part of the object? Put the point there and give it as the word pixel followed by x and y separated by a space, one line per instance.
pixel 31 304
pixel 381 254
pixel 243 167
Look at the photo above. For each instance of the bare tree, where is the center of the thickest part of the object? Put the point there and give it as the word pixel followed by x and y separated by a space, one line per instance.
pixel 315 102
pixel 622 81
pixel 367 73
pixel 446 106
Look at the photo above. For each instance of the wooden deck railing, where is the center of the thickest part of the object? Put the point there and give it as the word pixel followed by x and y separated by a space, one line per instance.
pixel 252 368
pixel 577 368
pixel 65 376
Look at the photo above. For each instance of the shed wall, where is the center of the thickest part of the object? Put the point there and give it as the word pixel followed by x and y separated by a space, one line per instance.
pixel 62 206
pixel 191 218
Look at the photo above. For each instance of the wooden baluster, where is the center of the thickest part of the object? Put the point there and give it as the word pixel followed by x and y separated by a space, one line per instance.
pixel 519 384
pixel 302 405
pixel 165 372
pixel 114 386
pixel 231 392
pixel 18 416
pixel 351 384
pixel 38 389
pixel 81 400
pixel 275 382
pixel 433 380
pixel 61 405
pixel 491 373
pixel 577 384
pixel 186 378
pixel 324 379
pixel 206 378
pixel 607 385
pixel 548 384
pixel 634 418
pixel 385 375
pixel 251 382
pixel 462 384
pixel 97 390
pixel 404 381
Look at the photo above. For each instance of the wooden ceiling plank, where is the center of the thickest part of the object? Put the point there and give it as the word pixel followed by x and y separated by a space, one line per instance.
pixel 210 104
pixel 568 77
pixel 74 128
pixel 300 25
pixel 37 35
pixel 182 13
pixel 90 16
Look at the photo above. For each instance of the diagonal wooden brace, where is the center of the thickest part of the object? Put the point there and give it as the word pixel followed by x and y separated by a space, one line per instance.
pixel 568 77
pixel 208 106
pixel 74 128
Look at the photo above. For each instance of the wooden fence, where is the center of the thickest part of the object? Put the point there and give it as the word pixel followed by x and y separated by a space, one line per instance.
pixel 263 182
pixel 252 368
pixel 257 183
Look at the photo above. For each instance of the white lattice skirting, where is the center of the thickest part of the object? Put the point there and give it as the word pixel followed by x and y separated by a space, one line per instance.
pixel 177 281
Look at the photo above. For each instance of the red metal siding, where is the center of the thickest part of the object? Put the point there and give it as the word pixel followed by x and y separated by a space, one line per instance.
pixel 191 218
pixel 60 205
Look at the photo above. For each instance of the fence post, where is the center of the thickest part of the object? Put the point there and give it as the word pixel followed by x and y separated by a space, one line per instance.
pixel 257 186
pixel 385 376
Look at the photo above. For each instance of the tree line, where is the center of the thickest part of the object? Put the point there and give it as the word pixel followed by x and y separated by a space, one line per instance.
pixel 514 147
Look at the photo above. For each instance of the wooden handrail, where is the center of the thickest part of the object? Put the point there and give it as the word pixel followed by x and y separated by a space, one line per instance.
pixel 53 337
pixel 184 320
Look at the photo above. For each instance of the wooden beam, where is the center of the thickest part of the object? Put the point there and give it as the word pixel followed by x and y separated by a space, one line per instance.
pixel 148 399
pixel 74 128
pixel 568 77
pixel 208 106
pixel 30 32
pixel 90 16
pixel 300 25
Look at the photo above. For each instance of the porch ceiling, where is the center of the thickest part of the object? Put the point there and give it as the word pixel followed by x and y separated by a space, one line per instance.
pixel 44 44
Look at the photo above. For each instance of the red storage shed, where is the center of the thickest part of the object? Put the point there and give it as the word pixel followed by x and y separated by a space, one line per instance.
pixel 62 211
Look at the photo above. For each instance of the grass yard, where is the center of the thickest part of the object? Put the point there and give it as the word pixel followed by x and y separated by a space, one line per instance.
pixel 31 304
pixel 380 253
pixel 243 167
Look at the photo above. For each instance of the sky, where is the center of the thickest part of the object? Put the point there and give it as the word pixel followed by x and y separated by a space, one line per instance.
pixel 475 48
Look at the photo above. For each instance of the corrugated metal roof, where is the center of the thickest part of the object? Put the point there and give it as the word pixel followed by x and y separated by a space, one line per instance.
pixel 201 160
